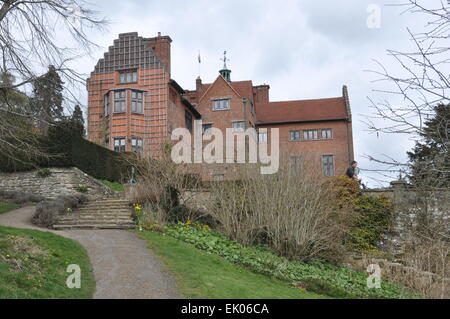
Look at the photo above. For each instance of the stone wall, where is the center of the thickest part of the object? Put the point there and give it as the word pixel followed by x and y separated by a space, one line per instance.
pixel 62 181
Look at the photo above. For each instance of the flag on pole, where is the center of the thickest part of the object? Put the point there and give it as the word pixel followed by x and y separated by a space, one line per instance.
pixel 199 58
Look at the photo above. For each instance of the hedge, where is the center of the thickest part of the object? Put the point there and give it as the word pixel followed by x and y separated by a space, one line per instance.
pixel 67 148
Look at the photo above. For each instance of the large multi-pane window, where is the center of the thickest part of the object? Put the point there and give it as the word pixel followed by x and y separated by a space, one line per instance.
pixel 188 120
pixel 128 77
pixel 120 101
pixel 107 104
pixel 328 165
pixel 294 136
pixel 327 134
pixel 239 126
pixel 119 144
pixel 137 145
pixel 222 104
pixel 137 102
pixel 262 137
pixel 311 135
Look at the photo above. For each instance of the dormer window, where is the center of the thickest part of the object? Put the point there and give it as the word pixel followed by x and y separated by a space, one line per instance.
pixel 128 77
pixel 221 104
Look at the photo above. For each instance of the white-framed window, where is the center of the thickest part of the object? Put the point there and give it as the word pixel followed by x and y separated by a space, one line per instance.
pixel 206 129
pixel 311 135
pixel 262 137
pixel 221 104
pixel 120 101
pixel 137 145
pixel 328 165
pixel 107 104
pixel 239 126
pixel 327 134
pixel 137 99
pixel 128 77
pixel 120 144
pixel 294 136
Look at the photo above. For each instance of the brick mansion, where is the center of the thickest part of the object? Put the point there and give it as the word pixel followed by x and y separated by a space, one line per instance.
pixel 134 105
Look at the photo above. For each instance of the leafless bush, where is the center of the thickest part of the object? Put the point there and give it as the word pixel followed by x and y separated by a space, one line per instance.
pixel 162 186
pixel 290 213
pixel 20 197
pixel 47 212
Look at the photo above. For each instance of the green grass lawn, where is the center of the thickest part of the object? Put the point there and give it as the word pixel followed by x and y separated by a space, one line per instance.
pixel 33 265
pixel 201 275
pixel 7 207
pixel 113 185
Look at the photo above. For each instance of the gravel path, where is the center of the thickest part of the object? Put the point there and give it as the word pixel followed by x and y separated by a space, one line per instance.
pixel 124 268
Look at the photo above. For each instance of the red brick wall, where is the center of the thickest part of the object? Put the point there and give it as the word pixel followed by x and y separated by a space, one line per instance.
pixel 313 150
pixel 152 126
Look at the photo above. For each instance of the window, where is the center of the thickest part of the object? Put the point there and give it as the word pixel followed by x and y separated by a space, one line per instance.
pixel 136 145
pixel 107 104
pixel 137 102
pixel 262 137
pixel 295 165
pixel 328 165
pixel 206 129
pixel 327 134
pixel 222 104
pixel 188 120
pixel 128 77
pixel 119 144
pixel 120 101
pixel 311 135
pixel 294 136
pixel 239 126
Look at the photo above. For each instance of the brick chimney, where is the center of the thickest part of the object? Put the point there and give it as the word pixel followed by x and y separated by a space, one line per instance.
pixel 198 85
pixel 261 93
pixel 161 47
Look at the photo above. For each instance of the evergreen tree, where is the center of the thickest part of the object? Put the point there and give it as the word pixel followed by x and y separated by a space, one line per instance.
pixel 47 99
pixel 430 159
pixel 78 120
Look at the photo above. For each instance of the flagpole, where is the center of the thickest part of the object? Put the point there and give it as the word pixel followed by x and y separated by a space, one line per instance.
pixel 199 64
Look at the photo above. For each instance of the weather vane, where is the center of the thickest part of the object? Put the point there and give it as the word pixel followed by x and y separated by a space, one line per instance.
pixel 225 60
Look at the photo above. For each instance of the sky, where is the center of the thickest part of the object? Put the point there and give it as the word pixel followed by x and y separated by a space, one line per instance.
pixel 304 49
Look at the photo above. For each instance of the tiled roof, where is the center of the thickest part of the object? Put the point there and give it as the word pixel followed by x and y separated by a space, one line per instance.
pixel 298 111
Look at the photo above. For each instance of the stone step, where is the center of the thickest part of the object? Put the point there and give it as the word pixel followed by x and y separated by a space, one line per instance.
pixel 108 211
pixel 89 218
pixel 104 208
pixel 96 221
pixel 93 226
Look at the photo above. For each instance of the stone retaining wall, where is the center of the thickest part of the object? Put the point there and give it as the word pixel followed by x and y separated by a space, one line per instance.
pixel 62 181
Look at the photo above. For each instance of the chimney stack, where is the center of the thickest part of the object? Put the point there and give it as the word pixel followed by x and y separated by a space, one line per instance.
pixel 198 84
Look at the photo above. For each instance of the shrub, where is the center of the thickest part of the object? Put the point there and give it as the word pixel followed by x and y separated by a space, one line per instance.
pixel 373 218
pixel 20 198
pixel 82 188
pixel 47 212
pixel 43 173
pixel 291 214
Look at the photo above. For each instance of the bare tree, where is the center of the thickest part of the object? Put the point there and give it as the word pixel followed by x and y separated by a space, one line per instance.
pixel 423 86
pixel 28 31
pixel 422 83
